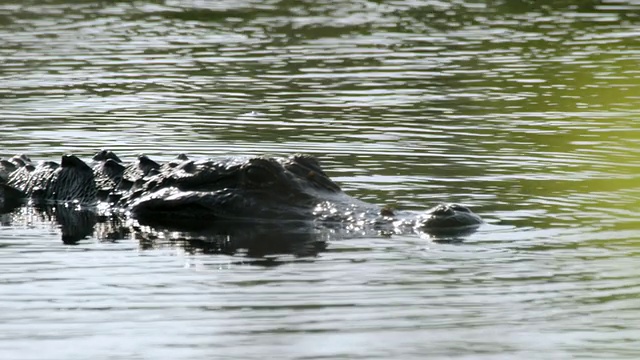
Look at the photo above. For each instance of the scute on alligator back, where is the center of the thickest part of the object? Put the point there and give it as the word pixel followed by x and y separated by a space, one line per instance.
pixel 72 180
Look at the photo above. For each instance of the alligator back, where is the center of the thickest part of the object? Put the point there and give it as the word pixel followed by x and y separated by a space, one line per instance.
pixel 72 180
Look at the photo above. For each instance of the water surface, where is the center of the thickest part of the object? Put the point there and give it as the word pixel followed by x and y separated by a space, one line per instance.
pixel 526 111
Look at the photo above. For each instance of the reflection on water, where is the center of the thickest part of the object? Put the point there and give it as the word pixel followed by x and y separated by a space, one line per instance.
pixel 254 238
pixel 525 111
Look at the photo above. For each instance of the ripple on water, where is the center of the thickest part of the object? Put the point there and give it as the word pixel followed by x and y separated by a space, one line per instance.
pixel 526 113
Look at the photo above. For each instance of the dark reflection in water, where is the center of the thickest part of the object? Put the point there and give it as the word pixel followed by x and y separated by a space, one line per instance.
pixel 253 238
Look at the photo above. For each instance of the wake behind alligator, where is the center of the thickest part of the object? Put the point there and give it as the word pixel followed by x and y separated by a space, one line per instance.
pixel 200 195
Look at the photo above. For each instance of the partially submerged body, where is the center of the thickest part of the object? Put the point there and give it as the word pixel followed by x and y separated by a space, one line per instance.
pixel 188 193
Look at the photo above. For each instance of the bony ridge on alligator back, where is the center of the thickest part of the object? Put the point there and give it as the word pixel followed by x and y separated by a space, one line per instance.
pixel 189 192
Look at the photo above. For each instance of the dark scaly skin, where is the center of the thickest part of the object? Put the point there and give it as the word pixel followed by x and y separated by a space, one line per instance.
pixel 108 177
pixel 448 218
pixel 258 187
pixel 187 192
pixel 33 180
pixel 290 189
pixel 104 155
pixel 6 168
pixel 10 197
pixel 72 180
pixel 21 160
pixel 142 167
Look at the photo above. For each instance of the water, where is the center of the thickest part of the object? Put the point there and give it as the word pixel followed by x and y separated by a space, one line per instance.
pixel 528 112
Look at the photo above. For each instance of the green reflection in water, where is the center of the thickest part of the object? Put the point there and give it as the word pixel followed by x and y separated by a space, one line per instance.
pixel 507 105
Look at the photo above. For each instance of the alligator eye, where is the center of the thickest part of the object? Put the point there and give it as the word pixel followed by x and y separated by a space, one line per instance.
pixel 259 175
pixel 460 208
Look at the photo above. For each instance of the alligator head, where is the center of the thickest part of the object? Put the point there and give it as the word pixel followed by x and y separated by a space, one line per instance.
pixel 448 219
pixel 235 188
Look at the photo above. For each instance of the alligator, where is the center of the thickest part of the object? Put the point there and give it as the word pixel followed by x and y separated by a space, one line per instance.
pixel 188 194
